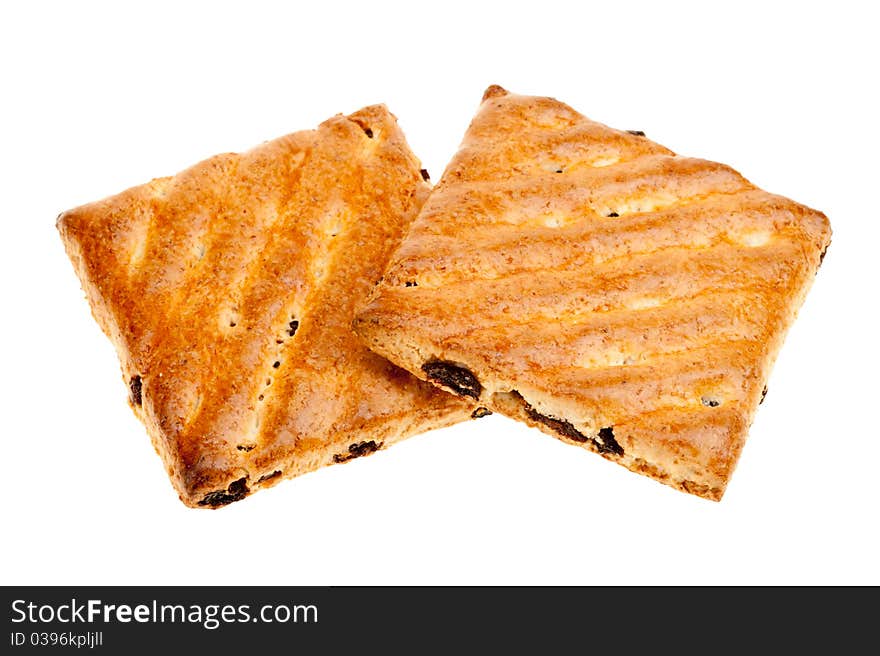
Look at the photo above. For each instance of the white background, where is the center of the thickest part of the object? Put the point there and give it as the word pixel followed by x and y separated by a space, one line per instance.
pixel 96 98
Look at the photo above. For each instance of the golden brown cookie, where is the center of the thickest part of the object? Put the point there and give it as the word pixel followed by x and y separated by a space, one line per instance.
pixel 593 284
pixel 229 291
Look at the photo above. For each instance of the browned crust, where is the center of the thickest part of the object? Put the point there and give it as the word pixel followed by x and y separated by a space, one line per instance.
pixel 585 279
pixel 205 280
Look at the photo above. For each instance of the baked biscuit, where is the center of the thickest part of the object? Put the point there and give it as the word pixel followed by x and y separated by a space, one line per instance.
pixel 594 284
pixel 229 292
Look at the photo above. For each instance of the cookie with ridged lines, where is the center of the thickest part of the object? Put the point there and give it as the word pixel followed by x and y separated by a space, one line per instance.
pixel 596 285
pixel 229 290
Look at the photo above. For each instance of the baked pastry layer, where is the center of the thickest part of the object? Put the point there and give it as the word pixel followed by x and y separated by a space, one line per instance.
pixel 229 291
pixel 594 284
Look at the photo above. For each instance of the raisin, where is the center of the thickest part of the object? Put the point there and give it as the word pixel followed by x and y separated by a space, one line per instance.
pixel 276 364
pixel 425 175
pixel 245 447
pixel 457 378
pixel 368 132
pixel 269 477
pixel 135 387
pixel 294 325
pixel 613 215
pixel 411 283
pixel 637 133
pixel 561 426
pixel 606 442
pixel 357 450
pixel 236 491
pixel 480 412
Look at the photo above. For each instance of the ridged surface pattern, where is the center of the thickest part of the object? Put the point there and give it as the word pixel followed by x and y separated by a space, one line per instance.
pixel 229 291
pixel 599 287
